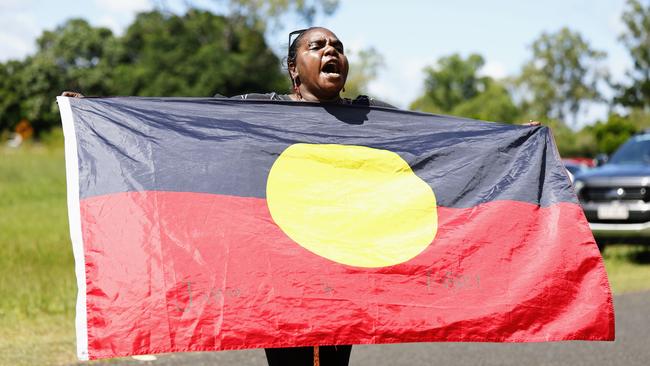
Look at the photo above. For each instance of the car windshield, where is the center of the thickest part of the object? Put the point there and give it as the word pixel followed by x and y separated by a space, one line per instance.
pixel 635 151
pixel 573 168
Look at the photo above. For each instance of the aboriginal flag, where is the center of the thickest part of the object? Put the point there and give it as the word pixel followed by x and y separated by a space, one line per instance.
pixel 215 224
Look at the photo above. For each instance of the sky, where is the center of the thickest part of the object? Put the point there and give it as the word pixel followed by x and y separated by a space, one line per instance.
pixel 409 34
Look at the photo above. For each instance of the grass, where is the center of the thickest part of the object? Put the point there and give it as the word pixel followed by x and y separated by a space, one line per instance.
pixel 628 267
pixel 37 282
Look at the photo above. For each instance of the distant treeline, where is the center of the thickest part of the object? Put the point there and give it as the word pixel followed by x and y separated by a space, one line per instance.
pixel 562 76
pixel 201 53
pixel 196 54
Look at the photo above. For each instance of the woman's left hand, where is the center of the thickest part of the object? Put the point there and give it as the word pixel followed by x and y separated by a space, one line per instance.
pixel 72 94
pixel 533 123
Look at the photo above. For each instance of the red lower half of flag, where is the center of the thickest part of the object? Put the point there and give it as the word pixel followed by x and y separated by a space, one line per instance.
pixel 171 271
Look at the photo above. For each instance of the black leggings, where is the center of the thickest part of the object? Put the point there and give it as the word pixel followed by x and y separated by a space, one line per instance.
pixel 304 356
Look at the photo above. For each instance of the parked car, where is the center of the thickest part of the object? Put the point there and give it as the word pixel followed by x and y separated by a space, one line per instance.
pixel 574 167
pixel 616 196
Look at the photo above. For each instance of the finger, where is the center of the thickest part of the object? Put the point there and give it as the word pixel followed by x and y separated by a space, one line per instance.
pixel 72 94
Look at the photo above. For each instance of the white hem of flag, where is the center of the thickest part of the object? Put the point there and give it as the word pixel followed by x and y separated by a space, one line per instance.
pixel 74 216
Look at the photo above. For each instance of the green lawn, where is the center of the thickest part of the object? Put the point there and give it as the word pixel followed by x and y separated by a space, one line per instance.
pixel 628 267
pixel 37 283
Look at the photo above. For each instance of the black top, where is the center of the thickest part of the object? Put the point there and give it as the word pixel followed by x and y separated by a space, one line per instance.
pixel 360 100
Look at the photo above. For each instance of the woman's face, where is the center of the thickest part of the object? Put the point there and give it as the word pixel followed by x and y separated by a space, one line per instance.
pixel 321 66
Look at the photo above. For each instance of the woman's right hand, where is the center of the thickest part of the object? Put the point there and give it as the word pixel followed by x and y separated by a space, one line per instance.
pixel 72 94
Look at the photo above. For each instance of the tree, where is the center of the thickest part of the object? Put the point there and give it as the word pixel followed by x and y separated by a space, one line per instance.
pixel 262 14
pixel 362 72
pixel 197 54
pixel 454 86
pixel 571 143
pixel 83 55
pixel 10 94
pixel 640 118
pixel 75 56
pixel 563 73
pixel 493 104
pixel 613 133
pixel 636 18
pixel 453 80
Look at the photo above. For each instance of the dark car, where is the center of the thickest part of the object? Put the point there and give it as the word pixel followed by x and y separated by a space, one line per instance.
pixel 574 168
pixel 616 196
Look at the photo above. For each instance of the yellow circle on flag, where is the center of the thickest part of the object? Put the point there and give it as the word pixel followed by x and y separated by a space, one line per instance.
pixel 354 205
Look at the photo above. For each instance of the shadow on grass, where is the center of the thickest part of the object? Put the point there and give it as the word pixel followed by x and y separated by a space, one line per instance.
pixel 641 256
pixel 631 252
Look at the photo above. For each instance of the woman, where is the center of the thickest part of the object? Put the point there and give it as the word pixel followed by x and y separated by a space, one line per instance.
pixel 318 69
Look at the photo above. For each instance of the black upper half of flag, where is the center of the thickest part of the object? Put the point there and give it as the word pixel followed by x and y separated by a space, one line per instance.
pixel 223 146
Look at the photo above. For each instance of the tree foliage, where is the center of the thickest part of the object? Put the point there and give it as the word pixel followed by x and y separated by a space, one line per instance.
pixel 563 73
pixel 196 54
pixel 571 143
pixel 454 86
pixel 453 81
pixel 73 56
pixel 636 39
pixel 199 54
pixel 262 14
pixel 601 137
pixel 611 134
pixel 10 93
pixel 362 71
pixel 492 104
pixel 161 53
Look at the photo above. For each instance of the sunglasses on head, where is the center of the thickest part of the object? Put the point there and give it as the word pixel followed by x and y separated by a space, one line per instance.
pixel 295 33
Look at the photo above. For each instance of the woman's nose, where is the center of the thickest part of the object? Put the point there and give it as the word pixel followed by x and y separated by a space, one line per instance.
pixel 330 50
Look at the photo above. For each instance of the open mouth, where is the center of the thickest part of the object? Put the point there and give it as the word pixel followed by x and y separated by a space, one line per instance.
pixel 331 68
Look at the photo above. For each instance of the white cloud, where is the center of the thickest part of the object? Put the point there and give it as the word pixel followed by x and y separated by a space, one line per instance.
pixel 13 47
pixel 401 81
pixel 353 46
pixel 14 5
pixel 590 113
pixel 619 63
pixel 493 69
pixel 615 23
pixel 117 14
pixel 123 6
pixel 380 89
pixel 112 23
pixel 18 34
pixel 413 69
pixel 21 24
